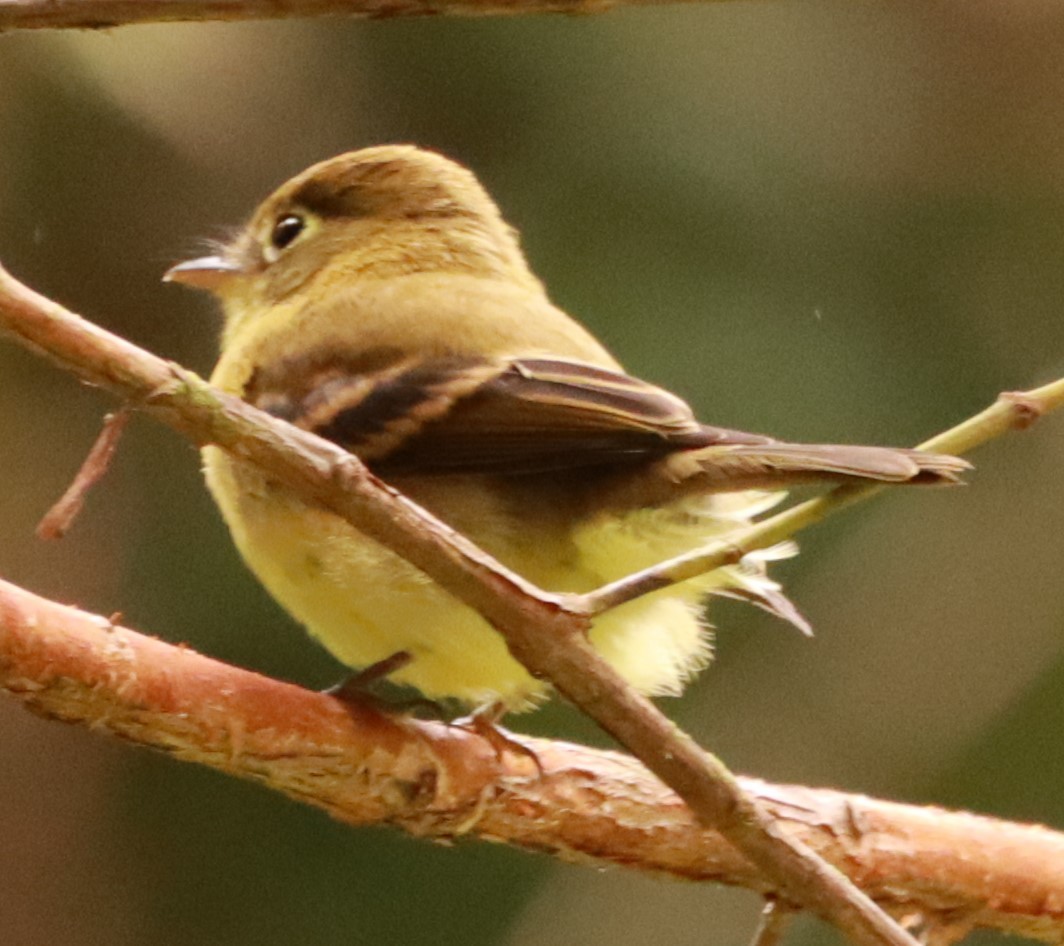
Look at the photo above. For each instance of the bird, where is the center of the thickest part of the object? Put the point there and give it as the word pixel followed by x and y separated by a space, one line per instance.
pixel 380 300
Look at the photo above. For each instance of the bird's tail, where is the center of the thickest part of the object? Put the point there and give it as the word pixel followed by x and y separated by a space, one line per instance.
pixel 779 465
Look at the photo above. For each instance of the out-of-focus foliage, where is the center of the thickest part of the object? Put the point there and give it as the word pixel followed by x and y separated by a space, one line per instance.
pixel 823 220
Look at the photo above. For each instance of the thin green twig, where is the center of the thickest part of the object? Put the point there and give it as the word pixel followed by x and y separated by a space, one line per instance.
pixel 1015 410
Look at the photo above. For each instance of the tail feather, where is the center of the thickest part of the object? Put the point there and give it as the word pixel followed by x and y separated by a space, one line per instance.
pixel 739 466
pixel 770 598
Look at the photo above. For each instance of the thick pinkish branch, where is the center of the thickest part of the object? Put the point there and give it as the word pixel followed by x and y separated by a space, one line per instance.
pixel 954 871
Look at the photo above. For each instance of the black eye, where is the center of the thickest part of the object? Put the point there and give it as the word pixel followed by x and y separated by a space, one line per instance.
pixel 286 230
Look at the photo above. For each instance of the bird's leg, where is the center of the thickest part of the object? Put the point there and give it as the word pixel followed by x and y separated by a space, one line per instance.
pixel 484 722
pixel 355 689
pixel 355 686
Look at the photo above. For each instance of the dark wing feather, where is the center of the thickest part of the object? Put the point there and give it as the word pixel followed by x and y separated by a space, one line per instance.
pixel 543 414
pixel 531 415
pixel 538 415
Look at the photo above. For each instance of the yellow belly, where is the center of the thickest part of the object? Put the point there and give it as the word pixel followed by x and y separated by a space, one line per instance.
pixel 364 603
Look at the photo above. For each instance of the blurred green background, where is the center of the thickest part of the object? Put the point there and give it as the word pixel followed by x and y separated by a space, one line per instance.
pixel 836 221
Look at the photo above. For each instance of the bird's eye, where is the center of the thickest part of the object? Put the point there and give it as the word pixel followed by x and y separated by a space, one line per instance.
pixel 286 229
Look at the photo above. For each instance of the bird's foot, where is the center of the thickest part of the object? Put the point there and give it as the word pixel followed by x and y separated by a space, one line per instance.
pixel 484 722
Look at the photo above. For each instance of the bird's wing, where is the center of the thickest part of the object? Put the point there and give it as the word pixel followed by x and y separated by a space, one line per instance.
pixel 535 415
pixel 521 416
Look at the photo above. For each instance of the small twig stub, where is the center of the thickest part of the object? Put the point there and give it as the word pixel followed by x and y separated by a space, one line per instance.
pixel 57 522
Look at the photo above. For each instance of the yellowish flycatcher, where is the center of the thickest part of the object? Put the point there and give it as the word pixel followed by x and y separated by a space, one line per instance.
pixel 380 300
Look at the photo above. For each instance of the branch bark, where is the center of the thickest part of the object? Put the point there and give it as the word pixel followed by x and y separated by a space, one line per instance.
pixel 948 872
pixel 106 14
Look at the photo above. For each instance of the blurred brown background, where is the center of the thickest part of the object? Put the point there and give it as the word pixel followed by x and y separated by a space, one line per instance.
pixel 822 220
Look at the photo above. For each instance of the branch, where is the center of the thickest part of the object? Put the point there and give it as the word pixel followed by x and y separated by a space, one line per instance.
pixel 1013 410
pixel 546 633
pixel 105 14
pixel 58 520
pixel 543 633
pixel 949 871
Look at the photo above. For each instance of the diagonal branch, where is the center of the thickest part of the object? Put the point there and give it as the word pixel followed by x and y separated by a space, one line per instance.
pixel 319 470
pixel 546 633
pixel 948 870
pixel 58 520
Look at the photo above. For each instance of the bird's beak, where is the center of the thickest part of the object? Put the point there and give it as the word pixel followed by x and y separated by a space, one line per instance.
pixel 207 272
